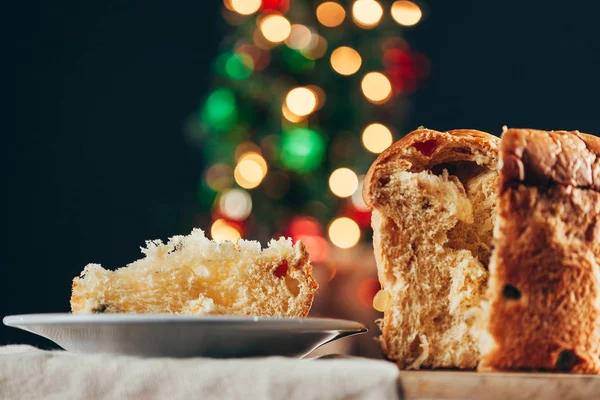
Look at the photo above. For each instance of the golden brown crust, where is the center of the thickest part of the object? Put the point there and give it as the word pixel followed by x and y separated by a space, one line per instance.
pixel 451 146
pixel 304 261
pixel 76 299
pixel 544 287
pixel 539 158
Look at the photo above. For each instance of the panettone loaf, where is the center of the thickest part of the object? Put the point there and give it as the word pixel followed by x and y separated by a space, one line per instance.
pixel 194 275
pixel 544 287
pixel 432 196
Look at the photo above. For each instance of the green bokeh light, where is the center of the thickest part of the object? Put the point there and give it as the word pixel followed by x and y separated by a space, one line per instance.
pixel 296 62
pixel 220 64
pixel 302 149
pixel 220 111
pixel 239 66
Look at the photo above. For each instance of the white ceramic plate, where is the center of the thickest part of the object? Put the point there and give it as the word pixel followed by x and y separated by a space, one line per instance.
pixel 185 336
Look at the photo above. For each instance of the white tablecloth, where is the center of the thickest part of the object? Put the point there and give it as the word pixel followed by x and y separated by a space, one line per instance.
pixel 30 373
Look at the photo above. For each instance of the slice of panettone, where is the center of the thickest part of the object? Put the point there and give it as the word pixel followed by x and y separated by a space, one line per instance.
pixel 194 275
pixel 433 197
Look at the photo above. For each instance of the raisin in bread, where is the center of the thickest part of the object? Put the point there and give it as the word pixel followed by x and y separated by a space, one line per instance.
pixel 432 196
pixel 194 275
pixel 544 288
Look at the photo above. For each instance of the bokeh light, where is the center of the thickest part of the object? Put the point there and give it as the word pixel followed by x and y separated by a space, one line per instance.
pixel 259 57
pixel 239 66
pixel 250 170
pixel 305 226
pixel 260 41
pixel 290 116
pixel 244 7
pixel 220 111
pixel 257 158
pixel 301 101
pixel 344 232
pixel 302 149
pixel 406 13
pixel 310 232
pixel 366 13
pixel 227 4
pixel 317 247
pixel 357 198
pixel 366 291
pixel 235 204
pixel 275 28
pixel 248 174
pixel 221 231
pixel 345 60
pixel 376 138
pixel 376 87
pixel 317 47
pixel 300 37
pixel 319 94
pixel 343 182
pixel 330 14
pixel 296 61
pixel 245 148
pixel 219 177
pixel 277 5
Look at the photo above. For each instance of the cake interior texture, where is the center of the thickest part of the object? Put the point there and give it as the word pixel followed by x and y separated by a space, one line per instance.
pixel 433 228
pixel 194 275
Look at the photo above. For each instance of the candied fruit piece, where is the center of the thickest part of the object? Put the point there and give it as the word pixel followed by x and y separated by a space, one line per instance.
pixel 381 301
pixel 426 148
pixel 281 269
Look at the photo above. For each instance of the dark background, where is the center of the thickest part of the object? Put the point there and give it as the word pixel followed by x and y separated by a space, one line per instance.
pixel 97 161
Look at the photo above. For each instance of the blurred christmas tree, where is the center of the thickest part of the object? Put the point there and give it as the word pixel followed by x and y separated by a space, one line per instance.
pixel 305 95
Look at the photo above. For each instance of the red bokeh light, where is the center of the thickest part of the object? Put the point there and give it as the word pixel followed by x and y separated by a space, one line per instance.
pixel 310 232
pixel 260 58
pixel 366 291
pixel 275 5
pixel 362 218
pixel 405 68
pixel 304 226
pixel 317 247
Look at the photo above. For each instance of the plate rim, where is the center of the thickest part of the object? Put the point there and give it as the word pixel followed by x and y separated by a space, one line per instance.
pixel 308 323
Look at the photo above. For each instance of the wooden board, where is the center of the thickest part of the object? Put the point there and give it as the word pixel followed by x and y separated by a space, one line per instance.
pixel 454 385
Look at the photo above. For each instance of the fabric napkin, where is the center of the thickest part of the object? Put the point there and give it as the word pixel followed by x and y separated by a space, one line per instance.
pixel 30 373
